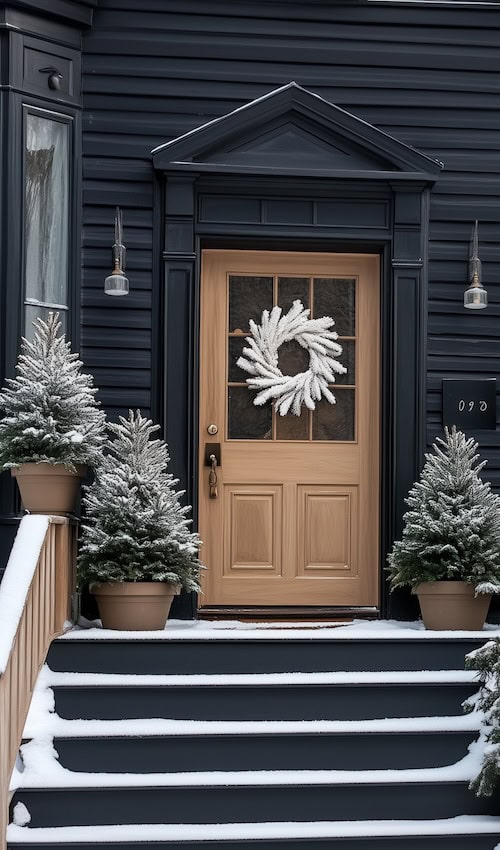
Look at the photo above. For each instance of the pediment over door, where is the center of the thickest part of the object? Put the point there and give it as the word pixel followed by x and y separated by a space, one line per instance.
pixel 292 131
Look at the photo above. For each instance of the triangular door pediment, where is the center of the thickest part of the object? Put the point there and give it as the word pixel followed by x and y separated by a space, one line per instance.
pixel 293 131
pixel 297 147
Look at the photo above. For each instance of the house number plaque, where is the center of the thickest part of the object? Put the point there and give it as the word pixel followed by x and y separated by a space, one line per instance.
pixel 470 405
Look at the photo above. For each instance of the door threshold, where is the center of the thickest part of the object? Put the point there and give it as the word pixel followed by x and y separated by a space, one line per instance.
pixel 288 613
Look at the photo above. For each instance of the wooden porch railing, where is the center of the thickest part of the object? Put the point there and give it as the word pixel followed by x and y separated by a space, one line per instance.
pixel 35 602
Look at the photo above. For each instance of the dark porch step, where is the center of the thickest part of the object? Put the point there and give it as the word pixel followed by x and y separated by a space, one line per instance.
pixel 262 702
pixel 256 803
pixel 314 751
pixel 259 655
pixel 392 842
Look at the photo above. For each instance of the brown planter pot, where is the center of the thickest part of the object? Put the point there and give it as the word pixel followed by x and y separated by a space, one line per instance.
pixel 48 488
pixel 134 606
pixel 452 605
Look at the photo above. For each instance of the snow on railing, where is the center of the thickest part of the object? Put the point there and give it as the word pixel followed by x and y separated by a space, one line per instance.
pixel 35 598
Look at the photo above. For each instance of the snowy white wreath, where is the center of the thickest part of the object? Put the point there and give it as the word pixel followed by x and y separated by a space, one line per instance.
pixel 260 359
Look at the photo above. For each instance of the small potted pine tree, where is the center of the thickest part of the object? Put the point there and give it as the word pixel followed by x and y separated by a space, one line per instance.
pixel 52 427
pixel 137 551
pixel 449 553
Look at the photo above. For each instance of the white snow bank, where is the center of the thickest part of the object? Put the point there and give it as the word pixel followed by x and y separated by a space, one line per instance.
pixel 236 630
pixel 150 833
pixel 17 580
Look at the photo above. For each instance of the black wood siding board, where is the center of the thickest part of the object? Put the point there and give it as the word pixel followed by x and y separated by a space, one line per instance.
pixel 133 398
pixel 118 317
pixel 116 358
pixel 133 379
pixel 459 346
pixel 115 338
pixel 286 27
pixel 377 14
pixel 346 51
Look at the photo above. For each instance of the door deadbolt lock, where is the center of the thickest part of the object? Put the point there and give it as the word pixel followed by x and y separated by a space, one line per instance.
pixel 213 430
pixel 212 449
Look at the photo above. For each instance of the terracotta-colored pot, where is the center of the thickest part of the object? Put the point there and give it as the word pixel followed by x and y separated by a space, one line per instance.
pixel 134 606
pixel 48 488
pixel 452 605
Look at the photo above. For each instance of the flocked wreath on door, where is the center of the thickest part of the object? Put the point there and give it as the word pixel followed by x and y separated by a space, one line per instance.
pixel 260 359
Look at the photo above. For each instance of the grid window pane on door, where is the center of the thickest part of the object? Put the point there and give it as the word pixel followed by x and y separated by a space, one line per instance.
pixel 248 297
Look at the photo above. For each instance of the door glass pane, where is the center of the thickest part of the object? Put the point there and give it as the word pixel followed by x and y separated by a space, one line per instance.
pixel 336 297
pixel 335 421
pixel 292 358
pixel 246 421
pixel 291 289
pixel 235 350
pixel 249 295
pixel 292 427
pixel 46 221
pixel 348 359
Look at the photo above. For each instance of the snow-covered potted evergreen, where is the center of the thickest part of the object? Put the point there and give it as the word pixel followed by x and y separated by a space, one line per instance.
pixel 450 550
pixel 137 550
pixel 52 427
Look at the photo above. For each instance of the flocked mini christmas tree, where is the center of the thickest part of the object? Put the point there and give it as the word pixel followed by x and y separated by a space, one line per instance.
pixel 49 409
pixel 136 528
pixel 486 660
pixel 452 529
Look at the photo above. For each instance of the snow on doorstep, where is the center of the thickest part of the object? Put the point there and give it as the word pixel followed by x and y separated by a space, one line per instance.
pixel 17 579
pixel 158 727
pixel 236 630
pixel 43 722
pixel 264 679
pixel 149 833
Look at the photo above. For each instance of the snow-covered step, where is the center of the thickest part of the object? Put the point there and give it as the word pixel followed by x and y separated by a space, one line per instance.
pixel 257 799
pixel 271 696
pixel 201 648
pixel 460 833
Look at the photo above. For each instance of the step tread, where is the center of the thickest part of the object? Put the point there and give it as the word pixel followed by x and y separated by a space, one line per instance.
pixel 252 680
pixel 374 630
pixel 159 728
pixel 148 833
pixel 48 775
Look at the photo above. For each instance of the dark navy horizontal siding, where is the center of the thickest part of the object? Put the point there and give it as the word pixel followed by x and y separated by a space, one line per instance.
pixel 426 74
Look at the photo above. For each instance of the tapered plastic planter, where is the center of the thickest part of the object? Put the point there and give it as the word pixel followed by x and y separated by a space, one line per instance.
pixel 48 488
pixel 134 606
pixel 452 605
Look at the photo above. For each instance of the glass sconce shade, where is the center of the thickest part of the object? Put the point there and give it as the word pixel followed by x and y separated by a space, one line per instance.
pixel 475 297
pixel 116 283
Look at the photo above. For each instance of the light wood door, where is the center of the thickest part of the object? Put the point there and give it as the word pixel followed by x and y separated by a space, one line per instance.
pixel 296 517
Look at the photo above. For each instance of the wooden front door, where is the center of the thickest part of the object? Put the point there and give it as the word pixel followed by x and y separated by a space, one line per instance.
pixel 294 516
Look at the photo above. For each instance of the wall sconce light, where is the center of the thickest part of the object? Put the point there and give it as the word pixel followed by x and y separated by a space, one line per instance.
pixel 117 283
pixel 475 297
